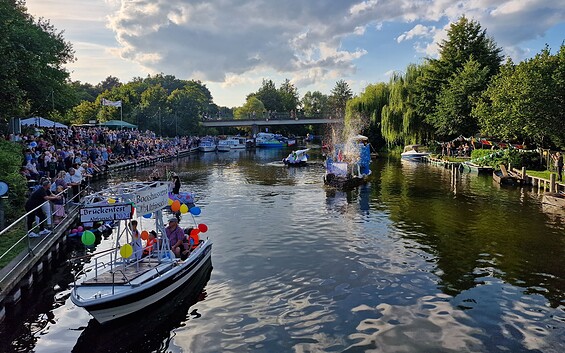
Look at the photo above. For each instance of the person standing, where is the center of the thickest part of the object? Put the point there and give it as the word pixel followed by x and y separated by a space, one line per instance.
pixel 32 206
pixel 558 162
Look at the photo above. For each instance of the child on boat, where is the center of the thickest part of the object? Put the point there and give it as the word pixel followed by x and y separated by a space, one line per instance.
pixel 150 244
pixel 136 240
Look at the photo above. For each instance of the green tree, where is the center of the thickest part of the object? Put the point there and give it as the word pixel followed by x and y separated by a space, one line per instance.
pixel 289 97
pixel 314 103
pixel 32 72
pixel 452 116
pixel 466 40
pixel 269 96
pixel 252 107
pixel 339 96
pixel 524 102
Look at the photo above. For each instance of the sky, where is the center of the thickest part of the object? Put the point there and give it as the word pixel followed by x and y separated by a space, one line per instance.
pixel 232 45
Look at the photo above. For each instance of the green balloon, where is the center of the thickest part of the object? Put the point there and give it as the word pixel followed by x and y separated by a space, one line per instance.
pixel 88 238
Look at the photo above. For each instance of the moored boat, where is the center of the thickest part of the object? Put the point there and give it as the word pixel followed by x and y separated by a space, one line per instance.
pixel 268 140
pixel 232 143
pixel 502 177
pixel 207 145
pixel 476 168
pixel 121 281
pixel 413 152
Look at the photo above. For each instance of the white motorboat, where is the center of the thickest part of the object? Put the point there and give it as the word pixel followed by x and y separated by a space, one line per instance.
pixel 207 145
pixel 232 143
pixel 120 282
pixel 413 152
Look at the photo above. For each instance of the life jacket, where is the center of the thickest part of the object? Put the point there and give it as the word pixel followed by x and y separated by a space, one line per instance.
pixel 149 246
pixel 193 241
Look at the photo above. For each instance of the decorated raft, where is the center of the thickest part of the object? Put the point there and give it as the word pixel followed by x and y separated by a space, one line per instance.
pixel 347 165
pixel 123 281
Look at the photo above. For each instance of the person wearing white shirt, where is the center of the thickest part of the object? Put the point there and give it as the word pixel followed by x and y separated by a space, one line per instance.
pixel 73 178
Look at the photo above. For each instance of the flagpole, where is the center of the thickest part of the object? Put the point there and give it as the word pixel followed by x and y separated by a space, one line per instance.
pixel 121 116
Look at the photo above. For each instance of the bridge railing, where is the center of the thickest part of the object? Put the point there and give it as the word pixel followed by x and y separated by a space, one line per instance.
pixel 272 116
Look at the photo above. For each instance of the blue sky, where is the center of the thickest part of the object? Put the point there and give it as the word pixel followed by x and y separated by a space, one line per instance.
pixel 231 46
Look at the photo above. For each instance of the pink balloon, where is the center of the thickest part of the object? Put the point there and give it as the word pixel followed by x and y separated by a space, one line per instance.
pixel 74 231
pixel 80 228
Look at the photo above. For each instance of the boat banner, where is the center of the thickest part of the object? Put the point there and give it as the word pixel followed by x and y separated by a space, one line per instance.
pixel 112 212
pixel 151 199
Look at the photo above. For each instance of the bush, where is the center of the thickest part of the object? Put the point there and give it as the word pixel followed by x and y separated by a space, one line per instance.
pixel 11 159
pixel 517 158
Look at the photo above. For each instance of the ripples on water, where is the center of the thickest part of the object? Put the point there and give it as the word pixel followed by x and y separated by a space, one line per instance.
pixel 416 261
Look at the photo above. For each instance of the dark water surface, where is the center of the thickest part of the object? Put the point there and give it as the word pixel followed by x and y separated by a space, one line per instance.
pixel 415 261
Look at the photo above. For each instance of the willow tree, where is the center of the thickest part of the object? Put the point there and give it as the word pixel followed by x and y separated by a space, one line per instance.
pixel 400 122
pixel 364 111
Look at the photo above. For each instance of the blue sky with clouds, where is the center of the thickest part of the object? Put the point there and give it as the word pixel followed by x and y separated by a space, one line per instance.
pixel 231 45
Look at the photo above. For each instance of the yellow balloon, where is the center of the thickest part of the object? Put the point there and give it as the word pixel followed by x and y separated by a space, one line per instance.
pixel 183 208
pixel 111 200
pixel 126 251
pixel 170 202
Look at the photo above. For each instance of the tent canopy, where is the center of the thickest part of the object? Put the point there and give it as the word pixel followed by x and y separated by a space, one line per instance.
pixel 118 124
pixel 42 122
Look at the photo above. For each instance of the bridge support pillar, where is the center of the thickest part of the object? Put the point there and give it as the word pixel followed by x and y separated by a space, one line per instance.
pixel 254 129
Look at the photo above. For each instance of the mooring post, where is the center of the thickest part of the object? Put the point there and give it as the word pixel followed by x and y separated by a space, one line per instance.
pixel 552 185
pixel 524 176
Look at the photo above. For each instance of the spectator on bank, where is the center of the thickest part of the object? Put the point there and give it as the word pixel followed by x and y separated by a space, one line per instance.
pixel 558 163
pixel 73 180
pixel 32 206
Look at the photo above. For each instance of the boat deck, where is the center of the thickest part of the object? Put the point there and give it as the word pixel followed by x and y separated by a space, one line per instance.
pixel 132 274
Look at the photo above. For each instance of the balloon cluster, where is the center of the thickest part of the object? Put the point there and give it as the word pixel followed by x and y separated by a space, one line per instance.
pixel 177 206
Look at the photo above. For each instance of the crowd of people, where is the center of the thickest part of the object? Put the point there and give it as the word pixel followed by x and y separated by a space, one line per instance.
pixel 60 162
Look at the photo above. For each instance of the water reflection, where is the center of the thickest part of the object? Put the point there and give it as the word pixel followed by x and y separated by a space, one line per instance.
pixel 152 330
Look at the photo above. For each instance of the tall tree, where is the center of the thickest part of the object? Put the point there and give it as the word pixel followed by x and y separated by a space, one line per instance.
pixel 253 107
pixel 289 96
pixel 314 103
pixel 339 96
pixel 269 96
pixel 466 40
pixel 32 72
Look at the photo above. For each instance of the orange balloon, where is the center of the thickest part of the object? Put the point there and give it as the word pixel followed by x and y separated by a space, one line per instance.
pixel 175 207
pixel 145 235
pixel 194 232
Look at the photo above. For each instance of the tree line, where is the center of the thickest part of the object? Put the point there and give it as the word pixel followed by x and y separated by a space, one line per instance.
pixel 467 91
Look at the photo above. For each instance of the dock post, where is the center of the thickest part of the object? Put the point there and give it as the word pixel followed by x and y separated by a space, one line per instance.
pixel 552 185
pixel 524 176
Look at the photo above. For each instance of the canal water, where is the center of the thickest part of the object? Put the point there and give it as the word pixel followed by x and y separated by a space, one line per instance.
pixel 418 260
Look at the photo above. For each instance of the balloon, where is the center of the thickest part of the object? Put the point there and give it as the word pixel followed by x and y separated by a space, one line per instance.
pixel 194 232
pixel 183 208
pixel 80 229
pixel 170 202
pixel 195 210
pixel 74 230
pixel 175 207
pixel 147 215
pixel 88 238
pixel 111 200
pixel 145 235
pixel 203 228
pixel 126 251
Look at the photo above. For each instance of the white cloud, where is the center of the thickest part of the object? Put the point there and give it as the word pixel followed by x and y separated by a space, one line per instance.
pixel 417 31
pixel 226 42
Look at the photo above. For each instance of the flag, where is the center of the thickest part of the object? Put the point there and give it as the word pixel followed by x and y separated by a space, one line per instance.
pixel 111 103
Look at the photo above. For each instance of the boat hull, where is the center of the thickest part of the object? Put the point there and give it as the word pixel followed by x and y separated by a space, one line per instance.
pixel 207 148
pixel 343 182
pixel 115 307
pixel 413 156
pixel 475 168
pixel 500 179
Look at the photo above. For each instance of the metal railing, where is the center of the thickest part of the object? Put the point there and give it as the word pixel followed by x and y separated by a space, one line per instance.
pixel 69 205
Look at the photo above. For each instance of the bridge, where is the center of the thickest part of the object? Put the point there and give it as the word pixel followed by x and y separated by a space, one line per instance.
pixel 279 119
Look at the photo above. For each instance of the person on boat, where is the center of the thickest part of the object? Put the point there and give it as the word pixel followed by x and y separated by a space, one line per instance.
pixel 151 242
pixel 558 162
pixel 176 184
pixel 176 236
pixel 136 240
